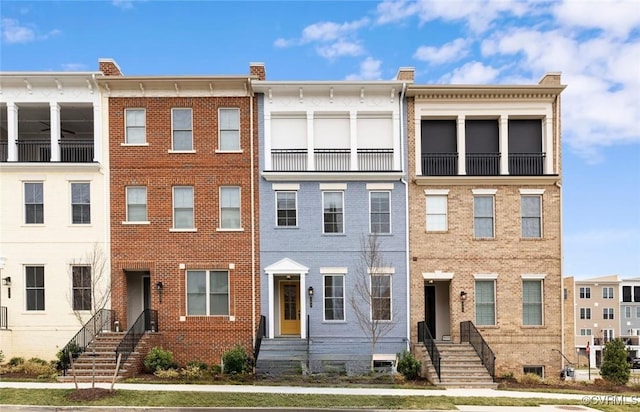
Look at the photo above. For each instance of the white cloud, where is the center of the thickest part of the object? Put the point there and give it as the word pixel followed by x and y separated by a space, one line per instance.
pixel 340 48
pixel 73 67
pixel 281 43
pixel 472 73
pixel 123 4
pixel 14 32
pixel 615 17
pixel 369 70
pixel 449 52
pixel 328 31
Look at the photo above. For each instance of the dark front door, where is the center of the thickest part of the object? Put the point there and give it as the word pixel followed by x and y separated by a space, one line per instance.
pixel 430 309
pixel 146 299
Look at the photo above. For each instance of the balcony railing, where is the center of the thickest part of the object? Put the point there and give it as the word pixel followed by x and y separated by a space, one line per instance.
pixel 289 160
pixel 440 164
pixel 483 164
pixel 375 159
pixel 526 164
pixel 4 153
pixel 73 151
pixel 34 150
pixel 332 160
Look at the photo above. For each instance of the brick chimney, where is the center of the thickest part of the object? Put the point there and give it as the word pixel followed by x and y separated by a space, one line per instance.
pixel 406 74
pixel 109 67
pixel 257 70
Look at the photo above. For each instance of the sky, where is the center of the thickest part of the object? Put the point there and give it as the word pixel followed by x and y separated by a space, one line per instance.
pixel 595 44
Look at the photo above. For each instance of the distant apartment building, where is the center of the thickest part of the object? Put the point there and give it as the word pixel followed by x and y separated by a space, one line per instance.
pixel 54 242
pixel 484 220
pixel 183 202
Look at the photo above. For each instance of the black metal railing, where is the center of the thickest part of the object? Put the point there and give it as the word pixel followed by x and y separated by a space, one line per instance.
pixel 4 151
pixel 34 150
pixel 526 164
pixel 425 337
pixel 4 318
pixel 290 160
pixel 147 321
pixel 261 333
pixel 308 341
pixel 375 159
pixel 469 333
pixel 102 320
pixel 439 164
pixel 332 160
pixel 76 151
pixel 483 164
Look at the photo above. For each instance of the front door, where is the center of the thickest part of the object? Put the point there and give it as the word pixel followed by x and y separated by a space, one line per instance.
pixel 289 308
pixel 430 309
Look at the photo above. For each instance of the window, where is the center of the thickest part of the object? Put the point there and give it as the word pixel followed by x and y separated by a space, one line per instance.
pixel 286 209
pixel 607 293
pixel 638 312
pixel 229 133
pixel 627 312
pixel 585 332
pixel 532 302
pixel 332 212
pixel 531 216
pixel 334 297
pixel 483 217
pixel 636 293
pixel 607 313
pixel 183 207
pixel 485 302
pixel 381 297
pixel 380 212
pixel 585 293
pixel 230 207
pixel 35 287
pixel 135 126
pixel 182 131
pixel 626 293
pixel 207 293
pixel 607 334
pixel 136 204
pixel 536 370
pixel 437 213
pixel 81 203
pixel 34 202
pixel 585 313
pixel 81 287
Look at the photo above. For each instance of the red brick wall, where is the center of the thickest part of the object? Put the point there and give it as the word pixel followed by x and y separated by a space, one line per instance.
pixel 154 248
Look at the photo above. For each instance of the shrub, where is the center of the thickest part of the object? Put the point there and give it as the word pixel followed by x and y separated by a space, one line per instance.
pixel 615 368
pixel 72 349
pixel 167 373
pixel 38 360
pixel 216 369
pixel 408 365
pixel 508 377
pixel 159 359
pixel 16 361
pixel 1 356
pixel 193 372
pixel 197 364
pixel 38 367
pixel 235 360
pixel 530 379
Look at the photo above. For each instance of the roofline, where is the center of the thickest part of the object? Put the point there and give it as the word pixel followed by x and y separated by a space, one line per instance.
pixel 414 90
pixel 173 78
pixel 50 74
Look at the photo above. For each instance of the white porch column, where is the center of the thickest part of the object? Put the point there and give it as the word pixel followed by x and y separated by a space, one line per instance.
pixel 548 145
pixel 311 162
pixel 97 133
pixel 270 302
pixel 267 142
pixel 12 132
pixel 504 144
pixel 353 139
pixel 462 151
pixel 396 141
pixel 54 122
pixel 303 306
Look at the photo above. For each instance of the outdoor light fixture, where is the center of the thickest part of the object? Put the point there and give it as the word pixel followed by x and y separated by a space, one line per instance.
pixel 6 281
pixel 463 297
pixel 159 288
pixel 310 291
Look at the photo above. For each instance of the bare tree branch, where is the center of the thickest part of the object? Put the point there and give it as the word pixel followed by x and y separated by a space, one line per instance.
pixel 100 282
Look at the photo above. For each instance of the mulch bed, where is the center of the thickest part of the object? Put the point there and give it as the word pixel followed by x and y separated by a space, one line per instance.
pixel 569 386
pixel 89 394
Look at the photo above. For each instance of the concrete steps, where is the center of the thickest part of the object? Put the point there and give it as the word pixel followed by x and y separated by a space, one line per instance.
pixel 282 356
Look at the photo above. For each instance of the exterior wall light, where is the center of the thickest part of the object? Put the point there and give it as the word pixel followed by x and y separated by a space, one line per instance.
pixel 463 297
pixel 160 288
pixel 310 291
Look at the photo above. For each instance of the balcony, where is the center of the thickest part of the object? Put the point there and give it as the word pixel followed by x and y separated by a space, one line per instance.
pixel 526 164
pixel 289 160
pixel 440 164
pixel 39 150
pixel 483 164
pixel 375 160
pixel 331 160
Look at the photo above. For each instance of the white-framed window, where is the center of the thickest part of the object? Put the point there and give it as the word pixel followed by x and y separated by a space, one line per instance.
pixel 534 369
pixel 638 312
pixel 585 313
pixel 286 208
pixel 182 129
pixel 230 207
pixel 135 126
pixel 380 297
pixel 34 288
pixel 207 293
pixel 627 312
pixel 33 202
pixel 607 313
pixel 333 297
pixel 333 212
pixel 379 212
pixel 229 129
pixel 436 211
pixel 81 287
pixel 483 217
pixel 585 293
pixel 136 204
pixel 80 203
pixel 485 298
pixel 531 211
pixel 607 334
pixel 585 332
pixel 183 207
pixel 532 302
pixel 607 292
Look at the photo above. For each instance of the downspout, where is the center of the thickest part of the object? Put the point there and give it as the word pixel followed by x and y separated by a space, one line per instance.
pixel 253 216
pixel 558 184
pixel 406 215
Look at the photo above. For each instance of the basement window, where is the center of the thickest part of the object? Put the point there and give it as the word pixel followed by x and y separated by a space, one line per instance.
pixel 536 370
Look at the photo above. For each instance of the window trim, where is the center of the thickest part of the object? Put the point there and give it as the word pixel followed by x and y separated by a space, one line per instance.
pixel 24 201
pixel 324 298
pixel 71 186
pixel 493 214
pixel 239 208
pixel 207 292
pixel 220 130
pixel 173 209
pixel 584 292
pixel 81 288
pixel 584 313
pixel 126 127
pixel 173 130
pixel 495 311
pixel 381 272
pixel 433 193
pixel 27 288
pixel 533 278
pixel 127 204
pixel 277 209
pixel 371 192
pixel 608 313
pixel 539 217
pixel 342 212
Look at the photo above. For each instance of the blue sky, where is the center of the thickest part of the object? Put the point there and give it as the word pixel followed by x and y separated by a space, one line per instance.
pixel 595 44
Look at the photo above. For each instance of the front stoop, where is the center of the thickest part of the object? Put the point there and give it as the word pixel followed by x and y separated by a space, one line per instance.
pixel 460 366
pixel 282 356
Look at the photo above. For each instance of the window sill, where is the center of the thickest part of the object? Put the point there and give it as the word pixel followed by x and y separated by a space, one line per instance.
pixel 334 234
pixel 134 144
pixel 381 234
pixel 533 327
pixel 80 225
pixel 529 239
pixel 229 151
pixel 286 227
pixel 436 232
pixel 142 222
pixel 173 229
pixel 490 327
pixel 221 229
pixel 484 238
pixel 180 151
pixel 334 322
pixel 33 225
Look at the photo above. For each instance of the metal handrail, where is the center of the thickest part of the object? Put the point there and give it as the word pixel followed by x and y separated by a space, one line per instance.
pixel 425 337
pixel 308 341
pixel 469 333
pixel 78 344
pixel 262 331
pixel 148 320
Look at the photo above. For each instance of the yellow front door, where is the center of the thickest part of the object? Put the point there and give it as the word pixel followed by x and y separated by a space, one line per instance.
pixel 289 308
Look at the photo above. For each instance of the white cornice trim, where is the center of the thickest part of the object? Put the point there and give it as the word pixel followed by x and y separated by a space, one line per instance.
pixel 461 180
pixel 331 176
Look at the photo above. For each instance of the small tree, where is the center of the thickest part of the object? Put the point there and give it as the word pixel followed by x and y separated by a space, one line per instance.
pixel 614 368
pixel 94 292
pixel 370 293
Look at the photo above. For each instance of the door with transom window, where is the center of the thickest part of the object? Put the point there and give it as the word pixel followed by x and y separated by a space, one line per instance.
pixel 289 308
